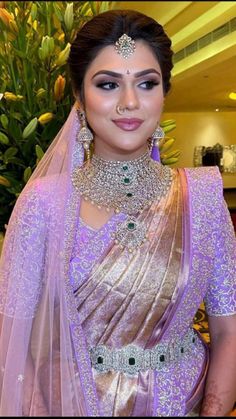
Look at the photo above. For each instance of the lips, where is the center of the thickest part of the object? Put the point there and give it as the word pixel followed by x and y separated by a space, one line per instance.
pixel 128 124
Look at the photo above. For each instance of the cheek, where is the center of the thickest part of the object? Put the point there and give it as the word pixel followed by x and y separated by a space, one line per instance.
pixel 154 105
pixel 97 103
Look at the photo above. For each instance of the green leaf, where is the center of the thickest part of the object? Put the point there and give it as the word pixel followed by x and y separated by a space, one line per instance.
pixel 85 8
pixel 34 10
pixel 57 11
pixel 27 174
pixel 16 115
pixel 30 128
pixel 3 138
pixel 39 152
pixel 104 6
pixel 15 129
pixel 15 160
pixel 10 152
pixel 93 6
pixel 4 121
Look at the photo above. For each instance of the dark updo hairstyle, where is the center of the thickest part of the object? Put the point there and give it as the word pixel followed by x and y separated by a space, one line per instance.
pixel 105 29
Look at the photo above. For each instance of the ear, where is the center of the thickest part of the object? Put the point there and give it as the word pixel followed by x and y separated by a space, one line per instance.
pixel 79 105
pixel 78 101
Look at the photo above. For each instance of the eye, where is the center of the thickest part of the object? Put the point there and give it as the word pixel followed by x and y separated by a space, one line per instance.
pixel 107 85
pixel 149 84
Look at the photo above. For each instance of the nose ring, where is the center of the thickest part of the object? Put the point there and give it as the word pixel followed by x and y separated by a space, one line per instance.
pixel 120 110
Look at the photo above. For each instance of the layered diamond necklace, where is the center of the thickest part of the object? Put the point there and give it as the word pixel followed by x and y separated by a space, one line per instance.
pixel 129 187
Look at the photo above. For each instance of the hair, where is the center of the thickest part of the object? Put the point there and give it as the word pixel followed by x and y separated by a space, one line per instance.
pixel 105 29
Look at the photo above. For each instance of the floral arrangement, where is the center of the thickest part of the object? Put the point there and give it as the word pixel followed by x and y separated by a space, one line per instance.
pixel 35 92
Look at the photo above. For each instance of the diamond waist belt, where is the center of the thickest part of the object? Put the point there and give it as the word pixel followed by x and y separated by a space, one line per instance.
pixel 131 358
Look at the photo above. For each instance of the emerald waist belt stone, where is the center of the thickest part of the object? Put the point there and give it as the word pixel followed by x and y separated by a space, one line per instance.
pixel 132 359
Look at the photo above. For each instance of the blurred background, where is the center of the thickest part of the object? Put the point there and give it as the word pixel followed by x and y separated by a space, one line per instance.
pixel 202 100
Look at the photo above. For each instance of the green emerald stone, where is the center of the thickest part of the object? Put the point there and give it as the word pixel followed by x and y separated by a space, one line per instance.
pixel 125 167
pixel 131 226
pixel 126 180
pixel 129 195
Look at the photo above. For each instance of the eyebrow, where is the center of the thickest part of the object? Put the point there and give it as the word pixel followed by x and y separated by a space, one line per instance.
pixel 120 76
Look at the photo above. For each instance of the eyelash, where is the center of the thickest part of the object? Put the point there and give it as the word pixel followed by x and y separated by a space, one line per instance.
pixel 150 83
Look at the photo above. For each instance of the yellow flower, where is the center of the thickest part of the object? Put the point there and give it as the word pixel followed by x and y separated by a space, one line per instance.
pixel 61 37
pixel 63 56
pixel 35 25
pixel 45 118
pixel 4 181
pixel 47 47
pixel 30 128
pixel 5 16
pixel 59 88
pixel 69 16
pixel 11 97
pixel 40 93
pixel 13 26
pixel 8 20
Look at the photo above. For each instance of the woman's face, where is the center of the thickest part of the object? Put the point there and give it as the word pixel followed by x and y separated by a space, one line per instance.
pixel 134 83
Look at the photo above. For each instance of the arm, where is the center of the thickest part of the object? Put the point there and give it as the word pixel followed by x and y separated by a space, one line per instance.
pixel 220 390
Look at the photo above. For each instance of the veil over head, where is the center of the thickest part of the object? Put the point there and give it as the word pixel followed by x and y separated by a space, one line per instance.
pixel 39 369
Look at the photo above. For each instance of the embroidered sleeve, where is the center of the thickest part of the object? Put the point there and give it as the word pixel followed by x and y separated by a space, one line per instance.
pixel 220 299
pixel 21 263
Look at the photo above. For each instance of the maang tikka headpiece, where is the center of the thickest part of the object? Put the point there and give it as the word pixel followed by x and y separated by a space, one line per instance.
pixel 125 46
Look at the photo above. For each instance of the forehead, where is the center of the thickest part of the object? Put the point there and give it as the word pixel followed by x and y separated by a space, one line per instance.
pixel 109 59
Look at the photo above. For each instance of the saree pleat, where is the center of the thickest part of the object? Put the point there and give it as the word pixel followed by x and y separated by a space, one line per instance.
pixel 125 297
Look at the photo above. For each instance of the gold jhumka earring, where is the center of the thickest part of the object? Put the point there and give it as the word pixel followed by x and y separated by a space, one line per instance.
pixel 157 135
pixel 84 136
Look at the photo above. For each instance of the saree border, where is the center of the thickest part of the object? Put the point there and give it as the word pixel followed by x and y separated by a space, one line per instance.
pixel 77 333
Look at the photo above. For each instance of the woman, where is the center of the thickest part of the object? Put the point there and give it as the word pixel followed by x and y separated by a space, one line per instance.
pixel 106 263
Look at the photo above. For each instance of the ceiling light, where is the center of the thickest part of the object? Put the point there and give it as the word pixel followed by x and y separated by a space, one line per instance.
pixel 217 109
pixel 232 95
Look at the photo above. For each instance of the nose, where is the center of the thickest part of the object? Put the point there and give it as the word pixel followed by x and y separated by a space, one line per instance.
pixel 129 98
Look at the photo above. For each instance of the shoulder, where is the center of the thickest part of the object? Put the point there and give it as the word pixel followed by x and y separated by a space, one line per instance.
pixel 210 174
pixel 42 189
pixel 39 198
pixel 205 192
pixel 205 180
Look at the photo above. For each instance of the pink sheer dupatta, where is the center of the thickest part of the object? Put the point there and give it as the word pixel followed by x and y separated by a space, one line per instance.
pixel 41 337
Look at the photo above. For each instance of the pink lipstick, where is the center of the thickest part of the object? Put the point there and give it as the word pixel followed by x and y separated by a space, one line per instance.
pixel 128 124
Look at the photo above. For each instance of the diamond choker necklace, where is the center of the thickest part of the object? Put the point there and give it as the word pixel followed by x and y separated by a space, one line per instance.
pixel 126 186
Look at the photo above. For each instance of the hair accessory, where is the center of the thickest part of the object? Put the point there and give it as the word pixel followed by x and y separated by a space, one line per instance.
pixel 125 46
pixel 120 110
pixel 157 135
pixel 84 136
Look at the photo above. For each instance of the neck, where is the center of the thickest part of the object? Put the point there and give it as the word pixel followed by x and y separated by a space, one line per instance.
pixel 143 157
pixel 113 155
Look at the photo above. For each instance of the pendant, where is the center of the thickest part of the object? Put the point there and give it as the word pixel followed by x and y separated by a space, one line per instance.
pixel 131 234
